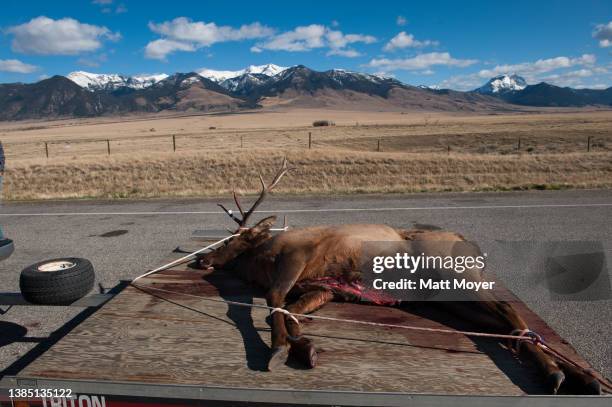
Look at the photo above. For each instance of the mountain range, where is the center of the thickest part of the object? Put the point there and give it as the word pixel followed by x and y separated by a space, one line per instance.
pixel 514 89
pixel 83 94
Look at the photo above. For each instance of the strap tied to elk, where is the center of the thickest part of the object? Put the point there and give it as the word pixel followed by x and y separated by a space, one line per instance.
pixel 528 334
pixel 284 311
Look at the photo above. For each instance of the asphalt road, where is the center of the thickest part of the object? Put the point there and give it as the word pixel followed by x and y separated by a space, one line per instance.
pixel 125 238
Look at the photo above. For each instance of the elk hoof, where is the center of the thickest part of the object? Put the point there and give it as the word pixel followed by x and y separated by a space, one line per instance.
pixel 278 357
pixel 580 381
pixel 554 381
pixel 592 388
pixel 303 350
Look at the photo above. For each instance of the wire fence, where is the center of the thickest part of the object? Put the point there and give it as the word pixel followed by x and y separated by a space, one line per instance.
pixel 459 143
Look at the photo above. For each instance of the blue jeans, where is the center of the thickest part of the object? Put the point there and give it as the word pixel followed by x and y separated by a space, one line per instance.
pixel 1 176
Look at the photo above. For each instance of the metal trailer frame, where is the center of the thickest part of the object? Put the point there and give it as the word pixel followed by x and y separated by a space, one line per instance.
pixel 88 393
pixel 159 394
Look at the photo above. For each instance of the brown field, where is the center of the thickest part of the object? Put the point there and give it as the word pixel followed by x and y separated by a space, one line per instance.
pixel 418 152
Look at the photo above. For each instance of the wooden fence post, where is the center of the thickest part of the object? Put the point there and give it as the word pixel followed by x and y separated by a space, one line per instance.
pixel 378 145
pixel 108 146
pixel 174 142
pixel 518 145
pixel 46 150
pixel 309 140
pixel 589 144
pixel 448 149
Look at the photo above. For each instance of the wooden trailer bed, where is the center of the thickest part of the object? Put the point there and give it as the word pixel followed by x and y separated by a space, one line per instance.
pixel 151 337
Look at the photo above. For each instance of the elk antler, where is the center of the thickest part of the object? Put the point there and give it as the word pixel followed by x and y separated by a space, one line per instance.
pixel 242 221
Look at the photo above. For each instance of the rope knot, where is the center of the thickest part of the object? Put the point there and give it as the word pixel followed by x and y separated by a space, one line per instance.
pixel 287 313
pixel 528 335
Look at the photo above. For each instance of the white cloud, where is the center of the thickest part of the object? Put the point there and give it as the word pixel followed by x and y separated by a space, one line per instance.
pixel 337 40
pixel 401 21
pixel 603 33
pixel 578 72
pixel 420 62
pixel 159 49
pixel 461 82
pixel 576 78
pixel 14 65
pixel 106 6
pixel 309 37
pixel 532 69
pixel 183 34
pixel 205 34
pixel 349 53
pixel 67 36
pixel 403 40
pixel 303 38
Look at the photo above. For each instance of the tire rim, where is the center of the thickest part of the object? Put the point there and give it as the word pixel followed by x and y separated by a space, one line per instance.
pixel 56 266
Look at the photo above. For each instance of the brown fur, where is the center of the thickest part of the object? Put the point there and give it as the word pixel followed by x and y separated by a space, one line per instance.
pixel 278 263
pixel 281 263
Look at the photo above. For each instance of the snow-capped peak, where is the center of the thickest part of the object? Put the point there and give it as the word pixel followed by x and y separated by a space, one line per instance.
pixel 93 80
pixel 268 69
pixel 154 78
pixel 220 76
pixel 217 76
pixel 101 81
pixel 503 84
pixel 429 87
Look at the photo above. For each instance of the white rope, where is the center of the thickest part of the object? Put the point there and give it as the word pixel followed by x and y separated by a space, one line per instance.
pixel 172 263
pixel 352 321
pixel 294 316
pixel 514 335
pixel 210 246
pixel 287 313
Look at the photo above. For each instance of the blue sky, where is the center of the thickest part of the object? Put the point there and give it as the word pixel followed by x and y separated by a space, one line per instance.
pixel 456 44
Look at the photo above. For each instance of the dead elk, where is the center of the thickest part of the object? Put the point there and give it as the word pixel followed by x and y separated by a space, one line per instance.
pixel 297 263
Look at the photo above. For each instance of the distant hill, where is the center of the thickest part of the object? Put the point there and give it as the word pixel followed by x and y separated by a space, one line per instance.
pixel 61 97
pixel 52 97
pixel 544 94
pixel 513 89
pixel 84 94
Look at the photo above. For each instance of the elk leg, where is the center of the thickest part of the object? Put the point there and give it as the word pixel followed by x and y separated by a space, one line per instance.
pixel 505 319
pixel 556 373
pixel 303 348
pixel 507 315
pixel 288 269
pixel 276 298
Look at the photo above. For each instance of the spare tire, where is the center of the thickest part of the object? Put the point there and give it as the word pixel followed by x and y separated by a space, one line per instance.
pixel 57 282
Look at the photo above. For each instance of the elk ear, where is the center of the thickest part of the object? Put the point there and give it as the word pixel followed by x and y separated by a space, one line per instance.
pixel 264 224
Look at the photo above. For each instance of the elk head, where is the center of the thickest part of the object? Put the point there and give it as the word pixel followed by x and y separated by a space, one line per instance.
pixel 247 237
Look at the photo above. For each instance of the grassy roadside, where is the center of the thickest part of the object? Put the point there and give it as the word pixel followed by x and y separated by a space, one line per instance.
pixel 316 172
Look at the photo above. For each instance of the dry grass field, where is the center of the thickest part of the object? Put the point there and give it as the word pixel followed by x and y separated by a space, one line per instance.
pixel 418 152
